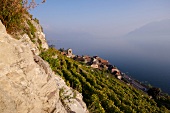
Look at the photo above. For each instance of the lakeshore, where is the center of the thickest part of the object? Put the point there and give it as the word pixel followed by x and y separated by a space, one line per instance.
pixel 146 68
pixel 99 63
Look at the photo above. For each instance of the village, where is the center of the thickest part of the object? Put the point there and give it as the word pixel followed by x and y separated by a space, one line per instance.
pixel 102 64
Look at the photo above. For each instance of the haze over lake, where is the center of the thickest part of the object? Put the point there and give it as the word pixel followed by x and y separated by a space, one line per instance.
pixel 133 35
pixel 143 53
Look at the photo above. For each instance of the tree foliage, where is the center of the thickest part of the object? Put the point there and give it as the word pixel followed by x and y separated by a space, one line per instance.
pixel 154 92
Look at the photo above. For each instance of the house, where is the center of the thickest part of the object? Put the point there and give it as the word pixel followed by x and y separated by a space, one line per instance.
pixel 105 62
pixel 69 53
pixel 103 66
pixel 79 58
pixel 119 77
pixel 115 71
pixel 95 61
pixel 102 61
pixel 94 65
pixel 87 59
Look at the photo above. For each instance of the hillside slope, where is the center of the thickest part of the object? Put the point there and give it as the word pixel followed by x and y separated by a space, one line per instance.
pixel 102 92
pixel 27 83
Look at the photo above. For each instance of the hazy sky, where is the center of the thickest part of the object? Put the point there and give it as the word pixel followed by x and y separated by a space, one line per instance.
pixel 102 18
pixel 91 27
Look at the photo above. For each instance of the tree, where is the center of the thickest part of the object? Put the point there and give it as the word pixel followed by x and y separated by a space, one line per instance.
pixel 154 92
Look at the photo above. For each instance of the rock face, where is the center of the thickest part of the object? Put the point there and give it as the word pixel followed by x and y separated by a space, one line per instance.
pixel 39 39
pixel 28 85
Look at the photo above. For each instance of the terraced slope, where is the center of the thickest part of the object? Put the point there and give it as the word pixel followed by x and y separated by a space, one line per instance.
pixel 101 91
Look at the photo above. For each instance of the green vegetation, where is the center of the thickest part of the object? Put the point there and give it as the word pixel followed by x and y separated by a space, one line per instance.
pixel 32 28
pixel 12 14
pixel 36 20
pixel 102 94
pixel 65 97
pixel 164 100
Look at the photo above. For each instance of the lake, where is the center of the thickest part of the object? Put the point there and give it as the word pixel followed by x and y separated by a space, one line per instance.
pixel 146 63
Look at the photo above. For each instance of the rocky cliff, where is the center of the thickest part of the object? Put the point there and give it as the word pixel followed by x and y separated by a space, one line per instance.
pixel 27 84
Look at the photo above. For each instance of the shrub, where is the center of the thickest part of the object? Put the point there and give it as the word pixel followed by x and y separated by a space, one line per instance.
pixel 12 13
pixel 32 28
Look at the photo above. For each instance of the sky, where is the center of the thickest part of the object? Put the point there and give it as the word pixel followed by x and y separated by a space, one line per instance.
pixel 128 33
pixel 99 18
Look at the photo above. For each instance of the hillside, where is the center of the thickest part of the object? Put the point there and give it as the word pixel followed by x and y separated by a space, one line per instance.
pixel 27 83
pixel 37 79
pixel 102 92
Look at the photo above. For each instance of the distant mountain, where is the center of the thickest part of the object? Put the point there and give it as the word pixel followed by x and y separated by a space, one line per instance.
pixel 152 39
pixel 152 35
pixel 153 30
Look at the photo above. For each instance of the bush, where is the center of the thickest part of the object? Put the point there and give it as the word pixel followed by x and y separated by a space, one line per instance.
pixel 32 28
pixel 12 13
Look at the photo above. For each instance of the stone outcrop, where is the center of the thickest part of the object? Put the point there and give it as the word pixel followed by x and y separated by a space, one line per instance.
pixel 39 39
pixel 28 85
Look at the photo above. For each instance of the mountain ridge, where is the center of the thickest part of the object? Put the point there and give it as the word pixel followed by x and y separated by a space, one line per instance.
pixel 154 29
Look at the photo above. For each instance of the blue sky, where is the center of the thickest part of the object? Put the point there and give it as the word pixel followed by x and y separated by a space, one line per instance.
pixel 100 18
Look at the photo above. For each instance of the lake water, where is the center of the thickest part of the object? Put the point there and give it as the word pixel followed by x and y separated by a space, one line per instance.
pixel 149 62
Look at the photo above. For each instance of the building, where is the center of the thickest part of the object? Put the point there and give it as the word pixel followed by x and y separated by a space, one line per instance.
pixel 87 59
pixel 79 58
pixel 94 65
pixel 69 53
pixel 117 73
pixel 119 77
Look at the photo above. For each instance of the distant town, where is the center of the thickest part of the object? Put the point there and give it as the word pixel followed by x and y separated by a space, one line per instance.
pixel 102 64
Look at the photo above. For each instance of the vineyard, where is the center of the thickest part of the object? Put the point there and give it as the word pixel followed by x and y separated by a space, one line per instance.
pixel 101 91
